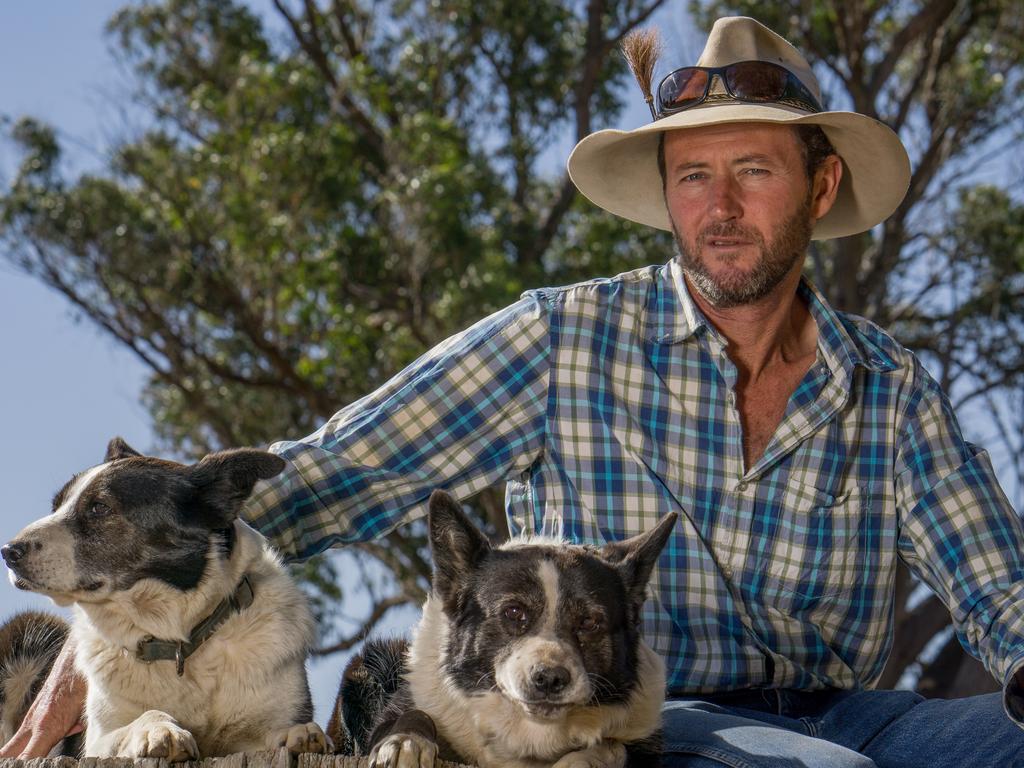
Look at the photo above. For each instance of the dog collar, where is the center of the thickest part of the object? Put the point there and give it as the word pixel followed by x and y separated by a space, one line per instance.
pixel 151 649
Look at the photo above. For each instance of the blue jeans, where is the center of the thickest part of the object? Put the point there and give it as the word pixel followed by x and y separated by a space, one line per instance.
pixel 765 728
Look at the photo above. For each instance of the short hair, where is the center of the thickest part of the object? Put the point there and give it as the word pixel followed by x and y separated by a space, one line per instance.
pixel 814 146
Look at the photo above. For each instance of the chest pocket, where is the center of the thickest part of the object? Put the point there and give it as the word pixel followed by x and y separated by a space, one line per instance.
pixel 820 546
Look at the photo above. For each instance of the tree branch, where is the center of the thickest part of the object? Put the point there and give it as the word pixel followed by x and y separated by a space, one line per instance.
pixel 379 611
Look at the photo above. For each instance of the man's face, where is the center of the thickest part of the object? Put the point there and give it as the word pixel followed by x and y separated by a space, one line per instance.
pixel 742 208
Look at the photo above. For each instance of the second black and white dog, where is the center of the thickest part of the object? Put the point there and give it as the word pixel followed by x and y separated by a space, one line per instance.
pixel 527 655
pixel 190 633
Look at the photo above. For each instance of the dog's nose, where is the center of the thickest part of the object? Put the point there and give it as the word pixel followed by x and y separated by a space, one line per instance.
pixel 549 680
pixel 13 552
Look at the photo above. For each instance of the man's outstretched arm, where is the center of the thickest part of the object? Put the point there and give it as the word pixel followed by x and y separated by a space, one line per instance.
pixel 56 712
pixel 467 414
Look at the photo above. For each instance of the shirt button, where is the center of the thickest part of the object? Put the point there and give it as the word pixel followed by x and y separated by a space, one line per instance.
pixel 741 486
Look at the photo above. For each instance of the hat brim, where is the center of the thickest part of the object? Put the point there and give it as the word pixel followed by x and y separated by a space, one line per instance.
pixel 618 170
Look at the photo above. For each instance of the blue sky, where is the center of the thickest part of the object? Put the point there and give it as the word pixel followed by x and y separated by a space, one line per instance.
pixel 66 389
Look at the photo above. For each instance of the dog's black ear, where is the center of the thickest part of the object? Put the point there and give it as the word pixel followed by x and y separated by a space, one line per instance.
pixel 224 480
pixel 119 449
pixel 636 557
pixel 456 545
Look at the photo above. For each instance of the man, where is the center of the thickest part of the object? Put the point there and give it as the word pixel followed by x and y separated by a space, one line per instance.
pixel 805 450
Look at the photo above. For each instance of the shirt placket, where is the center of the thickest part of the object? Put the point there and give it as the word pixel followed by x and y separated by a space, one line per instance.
pixel 730 535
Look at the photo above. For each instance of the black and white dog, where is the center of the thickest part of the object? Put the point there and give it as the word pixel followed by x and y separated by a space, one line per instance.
pixel 190 633
pixel 527 655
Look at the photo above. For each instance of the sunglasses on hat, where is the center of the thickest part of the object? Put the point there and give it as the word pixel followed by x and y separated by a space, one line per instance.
pixel 746 81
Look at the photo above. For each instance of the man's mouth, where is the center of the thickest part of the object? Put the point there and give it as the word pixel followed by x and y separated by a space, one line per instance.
pixel 725 242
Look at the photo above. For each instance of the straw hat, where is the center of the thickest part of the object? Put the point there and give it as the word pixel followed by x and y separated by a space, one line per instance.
pixel 618 170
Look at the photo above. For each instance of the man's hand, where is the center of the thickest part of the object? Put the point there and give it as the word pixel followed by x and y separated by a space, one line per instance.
pixel 56 712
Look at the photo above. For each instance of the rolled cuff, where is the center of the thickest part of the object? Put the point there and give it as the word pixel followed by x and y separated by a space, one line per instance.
pixel 1013 692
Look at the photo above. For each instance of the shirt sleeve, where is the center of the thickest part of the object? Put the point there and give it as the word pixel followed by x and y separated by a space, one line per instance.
pixel 959 533
pixel 465 415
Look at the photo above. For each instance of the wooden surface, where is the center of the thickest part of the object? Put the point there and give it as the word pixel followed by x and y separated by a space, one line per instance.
pixel 279 759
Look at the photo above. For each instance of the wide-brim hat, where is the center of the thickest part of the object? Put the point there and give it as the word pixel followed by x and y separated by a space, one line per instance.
pixel 618 170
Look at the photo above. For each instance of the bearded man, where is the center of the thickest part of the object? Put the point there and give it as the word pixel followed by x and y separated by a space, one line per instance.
pixel 805 450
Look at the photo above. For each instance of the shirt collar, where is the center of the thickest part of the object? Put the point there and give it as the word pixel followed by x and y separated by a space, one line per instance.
pixel 840 343
pixel 675 317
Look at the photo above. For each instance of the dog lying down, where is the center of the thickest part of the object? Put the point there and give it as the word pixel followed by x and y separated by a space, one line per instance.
pixel 526 655
pixel 188 630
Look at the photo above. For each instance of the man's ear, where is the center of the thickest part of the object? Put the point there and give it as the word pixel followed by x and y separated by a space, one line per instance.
pixel 456 545
pixel 224 480
pixel 636 557
pixel 119 449
pixel 825 186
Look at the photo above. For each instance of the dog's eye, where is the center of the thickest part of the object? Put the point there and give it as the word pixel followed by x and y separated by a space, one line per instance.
pixel 99 508
pixel 514 612
pixel 589 624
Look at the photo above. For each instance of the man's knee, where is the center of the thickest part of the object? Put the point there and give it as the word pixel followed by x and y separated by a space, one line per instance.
pixel 700 735
pixel 951 732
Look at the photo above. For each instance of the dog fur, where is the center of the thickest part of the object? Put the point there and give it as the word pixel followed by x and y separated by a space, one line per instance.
pixel 148 548
pixel 29 642
pixel 527 655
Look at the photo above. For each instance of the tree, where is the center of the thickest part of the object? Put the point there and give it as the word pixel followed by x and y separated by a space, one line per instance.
pixel 324 193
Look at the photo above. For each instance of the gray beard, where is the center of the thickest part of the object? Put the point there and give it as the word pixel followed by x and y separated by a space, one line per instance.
pixel 777 259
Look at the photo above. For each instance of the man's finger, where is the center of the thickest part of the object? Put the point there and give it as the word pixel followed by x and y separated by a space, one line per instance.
pixel 40 744
pixel 28 743
pixel 14 745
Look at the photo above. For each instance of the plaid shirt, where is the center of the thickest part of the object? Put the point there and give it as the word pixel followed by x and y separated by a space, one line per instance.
pixel 606 404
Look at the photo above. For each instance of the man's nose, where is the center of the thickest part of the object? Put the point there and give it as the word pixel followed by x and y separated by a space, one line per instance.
pixel 725 202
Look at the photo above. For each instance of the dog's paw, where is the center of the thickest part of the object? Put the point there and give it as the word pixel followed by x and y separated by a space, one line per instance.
pixel 404 750
pixel 305 737
pixel 605 754
pixel 159 738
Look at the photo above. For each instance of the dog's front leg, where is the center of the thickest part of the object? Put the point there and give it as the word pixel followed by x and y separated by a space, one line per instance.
pixel 411 742
pixel 607 753
pixel 151 734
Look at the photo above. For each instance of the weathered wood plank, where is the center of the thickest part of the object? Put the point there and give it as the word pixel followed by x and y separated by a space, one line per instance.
pixel 276 759
pixel 236 760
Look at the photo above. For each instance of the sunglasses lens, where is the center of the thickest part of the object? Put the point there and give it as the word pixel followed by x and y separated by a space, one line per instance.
pixel 756 81
pixel 683 88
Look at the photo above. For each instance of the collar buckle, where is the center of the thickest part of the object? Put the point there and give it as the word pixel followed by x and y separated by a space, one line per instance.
pixel 152 649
